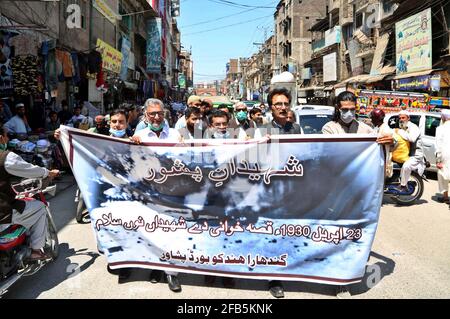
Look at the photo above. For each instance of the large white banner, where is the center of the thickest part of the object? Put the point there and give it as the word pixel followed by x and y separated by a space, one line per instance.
pixel 292 207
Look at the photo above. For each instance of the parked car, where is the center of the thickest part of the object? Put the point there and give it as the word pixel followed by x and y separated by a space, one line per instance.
pixel 312 121
pixel 427 123
pixel 312 107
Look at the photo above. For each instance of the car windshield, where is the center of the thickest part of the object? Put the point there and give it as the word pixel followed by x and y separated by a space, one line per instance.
pixel 313 123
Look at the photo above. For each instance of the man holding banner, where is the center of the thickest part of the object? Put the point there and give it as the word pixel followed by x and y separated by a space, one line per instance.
pixel 254 209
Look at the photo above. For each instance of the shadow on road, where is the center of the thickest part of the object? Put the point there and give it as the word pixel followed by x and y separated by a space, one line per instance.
pixel 387 200
pixel 53 274
pixel 374 274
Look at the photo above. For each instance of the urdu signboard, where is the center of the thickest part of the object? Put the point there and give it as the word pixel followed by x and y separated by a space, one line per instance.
pixel 414 43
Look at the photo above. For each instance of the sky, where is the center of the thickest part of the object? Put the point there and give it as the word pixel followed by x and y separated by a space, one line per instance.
pixel 238 27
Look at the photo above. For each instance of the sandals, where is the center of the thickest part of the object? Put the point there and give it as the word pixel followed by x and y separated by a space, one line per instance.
pixel 444 200
pixel 38 255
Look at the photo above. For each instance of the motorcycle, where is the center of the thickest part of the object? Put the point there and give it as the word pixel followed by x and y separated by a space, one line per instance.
pixel 15 241
pixel 414 190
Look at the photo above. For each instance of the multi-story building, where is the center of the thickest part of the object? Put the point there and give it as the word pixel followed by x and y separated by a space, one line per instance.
pixel 259 71
pixel 125 33
pixel 293 19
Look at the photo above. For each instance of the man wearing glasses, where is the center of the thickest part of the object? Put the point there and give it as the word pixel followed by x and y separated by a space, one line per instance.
pixel 157 128
pixel 279 101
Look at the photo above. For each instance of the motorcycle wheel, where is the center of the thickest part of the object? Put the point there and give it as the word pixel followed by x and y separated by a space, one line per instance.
pixel 406 200
pixel 82 212
pixel 51 237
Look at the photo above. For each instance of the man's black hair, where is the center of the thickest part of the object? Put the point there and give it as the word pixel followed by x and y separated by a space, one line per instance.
pixel 343 97
pixel 218 113
pixel 222 106
pixel 279 91
pixel 191 110
pixel 119 111
pixel 255 110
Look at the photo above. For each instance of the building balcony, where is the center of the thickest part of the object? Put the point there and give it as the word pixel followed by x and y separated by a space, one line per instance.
pixel 318 45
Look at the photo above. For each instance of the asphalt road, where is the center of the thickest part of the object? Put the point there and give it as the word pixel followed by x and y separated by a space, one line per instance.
pixel 410 259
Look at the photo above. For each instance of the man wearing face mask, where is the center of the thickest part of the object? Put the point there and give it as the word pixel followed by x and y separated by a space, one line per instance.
pixel 218 126
pixel 416 162
pixel 344 118
pixel 118 123
pixel 157 128
pixel 246 127
pixel 18 124
pixel 101 127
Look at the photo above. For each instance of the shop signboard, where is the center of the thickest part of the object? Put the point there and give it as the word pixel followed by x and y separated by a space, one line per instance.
pixel 182 81
pixel 126 48
pixel 425 82
pixel 414 43
pixel 330 71
pixel 112 59
pixel 105 10
pixel 154 48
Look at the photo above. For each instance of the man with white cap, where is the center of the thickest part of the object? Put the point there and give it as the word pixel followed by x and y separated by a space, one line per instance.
pixel 443 154
pixel 18 124
pixel 416 162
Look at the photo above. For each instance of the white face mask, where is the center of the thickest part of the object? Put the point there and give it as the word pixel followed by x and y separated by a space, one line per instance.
pixel 348 116
pixel 221 135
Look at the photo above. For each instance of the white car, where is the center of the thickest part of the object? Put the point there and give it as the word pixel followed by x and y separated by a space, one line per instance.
pixel 312 107
pixel 427 123
pixel 312 121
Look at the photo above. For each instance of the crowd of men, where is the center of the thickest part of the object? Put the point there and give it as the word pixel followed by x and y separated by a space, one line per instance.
pixel 154 121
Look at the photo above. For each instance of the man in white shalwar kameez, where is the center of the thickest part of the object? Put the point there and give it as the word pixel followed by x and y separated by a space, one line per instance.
pixel 443 154
pixel 411 133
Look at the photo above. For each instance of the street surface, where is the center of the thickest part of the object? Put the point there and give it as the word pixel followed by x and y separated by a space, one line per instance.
pixel 410 259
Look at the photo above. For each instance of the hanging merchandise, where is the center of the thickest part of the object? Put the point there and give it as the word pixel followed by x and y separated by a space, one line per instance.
pixel 25 44
pixel 83 65
pixel 101 84
pixel 49 54
pixel 94 62
pixel 6 76
pixel 65 59
pixel 76 68
pixel 25 73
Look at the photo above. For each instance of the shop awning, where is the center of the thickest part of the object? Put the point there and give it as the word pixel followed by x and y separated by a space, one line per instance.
pixel 380 52
pixel 354 79
pixel 413 74
pixel 312 88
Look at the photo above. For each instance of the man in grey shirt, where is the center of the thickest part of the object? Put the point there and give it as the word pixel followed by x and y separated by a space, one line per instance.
pixel 279 100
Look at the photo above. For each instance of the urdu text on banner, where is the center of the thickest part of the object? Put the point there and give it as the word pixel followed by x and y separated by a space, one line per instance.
pixel 291 207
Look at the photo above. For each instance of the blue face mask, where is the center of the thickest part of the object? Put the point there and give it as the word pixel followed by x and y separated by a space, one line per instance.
pixel 221 135
pixel 241 115
pixel 117 133
pixel 156 128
